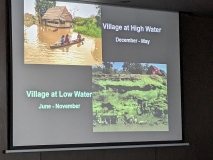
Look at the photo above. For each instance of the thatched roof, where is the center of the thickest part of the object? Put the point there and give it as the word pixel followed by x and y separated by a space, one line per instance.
pixel 59 12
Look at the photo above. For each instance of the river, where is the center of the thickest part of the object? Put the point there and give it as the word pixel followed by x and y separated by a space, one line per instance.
pixel 37 41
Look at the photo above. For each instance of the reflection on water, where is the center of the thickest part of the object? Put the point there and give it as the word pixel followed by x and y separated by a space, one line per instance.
pixel 37 41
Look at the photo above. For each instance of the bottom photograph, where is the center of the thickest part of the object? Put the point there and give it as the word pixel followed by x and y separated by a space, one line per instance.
pixel 129 97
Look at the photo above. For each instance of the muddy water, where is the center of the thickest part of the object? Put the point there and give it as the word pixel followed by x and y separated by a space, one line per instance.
pixel 37 41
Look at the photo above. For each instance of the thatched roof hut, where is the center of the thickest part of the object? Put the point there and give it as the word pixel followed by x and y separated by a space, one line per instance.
pixel 57 17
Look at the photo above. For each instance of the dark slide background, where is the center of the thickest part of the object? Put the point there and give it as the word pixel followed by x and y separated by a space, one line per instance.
pixel 163 47
pixel 196 50
pixel 75 126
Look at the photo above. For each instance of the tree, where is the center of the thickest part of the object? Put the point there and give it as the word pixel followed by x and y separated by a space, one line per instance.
pixel 97 69
pixel 98 16
pixel 107 67
pixel 73 12
pixel 115 71
pixel 134 68
pixel 126 66
pixel 41 6
pixel 146 67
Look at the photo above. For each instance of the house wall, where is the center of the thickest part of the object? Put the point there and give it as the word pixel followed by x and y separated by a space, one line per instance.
pixel 66 25
pixel 196 42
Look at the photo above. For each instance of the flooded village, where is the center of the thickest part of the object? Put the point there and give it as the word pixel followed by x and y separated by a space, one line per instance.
pixel 44 29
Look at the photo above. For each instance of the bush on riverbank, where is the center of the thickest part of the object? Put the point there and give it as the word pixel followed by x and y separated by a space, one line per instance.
pixel 87 26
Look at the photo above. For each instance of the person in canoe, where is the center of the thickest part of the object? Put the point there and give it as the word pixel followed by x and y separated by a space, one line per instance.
pixel 79 38
pixel 61 41
pixel 67 40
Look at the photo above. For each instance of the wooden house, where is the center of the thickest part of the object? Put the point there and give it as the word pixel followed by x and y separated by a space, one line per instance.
pixel 57 17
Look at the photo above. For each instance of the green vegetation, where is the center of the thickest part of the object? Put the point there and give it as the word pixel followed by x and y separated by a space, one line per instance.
pixel 29 19
pixel 142 81
pixel 87 26
pixel 155 97
pixel 41 6
pixel 127 68
pixel 141 96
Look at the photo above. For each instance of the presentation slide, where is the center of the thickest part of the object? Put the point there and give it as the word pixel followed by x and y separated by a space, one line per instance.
pixel 89 74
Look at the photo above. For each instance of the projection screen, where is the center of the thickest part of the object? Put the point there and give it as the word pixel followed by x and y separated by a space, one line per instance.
pixel 90 74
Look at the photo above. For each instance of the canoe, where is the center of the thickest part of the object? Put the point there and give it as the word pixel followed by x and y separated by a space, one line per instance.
pixel 65 44
pixel 56 29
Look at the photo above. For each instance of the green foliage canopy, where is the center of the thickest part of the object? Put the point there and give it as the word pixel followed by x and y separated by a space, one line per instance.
pixel 41 6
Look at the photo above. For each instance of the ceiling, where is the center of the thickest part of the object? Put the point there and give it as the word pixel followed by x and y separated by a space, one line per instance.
pixel 192 6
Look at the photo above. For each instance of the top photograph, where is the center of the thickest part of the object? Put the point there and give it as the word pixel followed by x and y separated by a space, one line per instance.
pixel 62 33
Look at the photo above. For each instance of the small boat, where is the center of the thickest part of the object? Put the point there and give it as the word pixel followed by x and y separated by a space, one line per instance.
pixel 65 44
pixel 56 29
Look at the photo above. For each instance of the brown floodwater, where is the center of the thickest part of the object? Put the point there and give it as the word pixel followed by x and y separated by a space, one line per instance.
pixel 37 41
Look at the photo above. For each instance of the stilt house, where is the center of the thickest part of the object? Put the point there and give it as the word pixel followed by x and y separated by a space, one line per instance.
pixel 58 17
